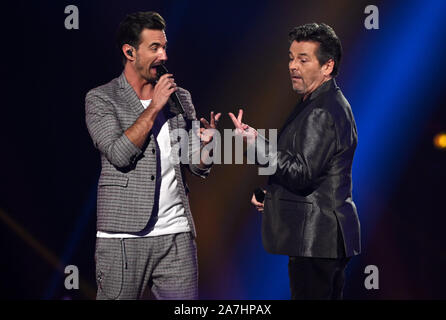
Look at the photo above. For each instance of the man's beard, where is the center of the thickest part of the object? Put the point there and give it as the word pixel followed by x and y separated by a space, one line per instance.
pixel 145 73
pixel 298 88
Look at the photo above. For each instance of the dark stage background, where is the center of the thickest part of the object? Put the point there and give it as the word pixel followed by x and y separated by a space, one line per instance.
pixel 227 54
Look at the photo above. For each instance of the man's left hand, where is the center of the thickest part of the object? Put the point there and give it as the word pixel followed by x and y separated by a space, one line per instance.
pixel 208 131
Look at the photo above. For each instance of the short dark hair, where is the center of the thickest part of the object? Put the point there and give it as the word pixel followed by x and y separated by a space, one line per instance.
pixel 329 43
pixel 129 30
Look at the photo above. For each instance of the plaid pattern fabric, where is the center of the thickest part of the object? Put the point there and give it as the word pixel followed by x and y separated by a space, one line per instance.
pixel 126 187
pixel 167 264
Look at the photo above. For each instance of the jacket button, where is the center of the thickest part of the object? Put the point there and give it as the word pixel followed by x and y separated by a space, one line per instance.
pixel 153 150
pixel 152 177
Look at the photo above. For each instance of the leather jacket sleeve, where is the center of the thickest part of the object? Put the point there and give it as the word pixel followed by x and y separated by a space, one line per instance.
pixel 306 153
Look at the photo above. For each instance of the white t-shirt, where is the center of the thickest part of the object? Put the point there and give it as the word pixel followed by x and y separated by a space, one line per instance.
pixel 171 215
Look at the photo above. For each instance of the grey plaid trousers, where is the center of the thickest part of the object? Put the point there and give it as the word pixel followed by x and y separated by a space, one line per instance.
pixel 167 264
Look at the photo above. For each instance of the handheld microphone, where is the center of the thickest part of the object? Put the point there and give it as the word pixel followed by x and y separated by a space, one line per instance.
pixel 174 99
pixel 259 194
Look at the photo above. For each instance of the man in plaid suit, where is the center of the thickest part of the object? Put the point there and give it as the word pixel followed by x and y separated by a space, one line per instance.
pixel 145 229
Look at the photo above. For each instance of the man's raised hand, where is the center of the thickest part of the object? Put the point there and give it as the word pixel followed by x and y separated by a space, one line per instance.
pixel 208 131
pixel 163 89
pixel 248 133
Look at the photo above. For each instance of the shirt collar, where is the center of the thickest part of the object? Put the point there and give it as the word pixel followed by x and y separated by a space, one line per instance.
pixel 324 87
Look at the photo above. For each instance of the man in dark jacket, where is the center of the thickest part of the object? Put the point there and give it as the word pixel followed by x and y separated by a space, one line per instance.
pixel 308 211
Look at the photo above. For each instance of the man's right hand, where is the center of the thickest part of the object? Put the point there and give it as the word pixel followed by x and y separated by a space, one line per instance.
pixel 138 132
pixel 242 129
pixel 259 205
pixel 163 89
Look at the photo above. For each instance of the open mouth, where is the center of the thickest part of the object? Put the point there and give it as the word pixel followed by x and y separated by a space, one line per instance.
pixel 155 65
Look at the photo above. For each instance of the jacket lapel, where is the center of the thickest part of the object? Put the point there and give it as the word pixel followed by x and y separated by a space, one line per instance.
pixel 129 95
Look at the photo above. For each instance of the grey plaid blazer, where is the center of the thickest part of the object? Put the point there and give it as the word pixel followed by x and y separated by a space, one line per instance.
pixel 126 187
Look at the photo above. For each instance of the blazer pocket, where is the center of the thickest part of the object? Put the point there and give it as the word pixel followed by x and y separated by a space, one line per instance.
pixel 113 180
pixel 290 223
pixel 295 213
pixel 296 201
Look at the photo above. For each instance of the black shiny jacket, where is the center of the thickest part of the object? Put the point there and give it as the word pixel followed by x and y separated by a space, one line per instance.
pixel 310 195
